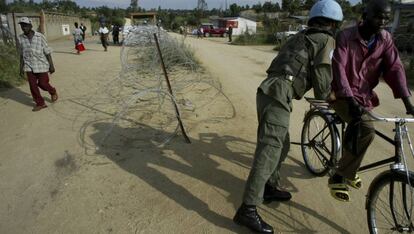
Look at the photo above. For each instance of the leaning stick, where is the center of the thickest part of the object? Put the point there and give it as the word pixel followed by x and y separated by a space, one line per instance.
pixel 177 112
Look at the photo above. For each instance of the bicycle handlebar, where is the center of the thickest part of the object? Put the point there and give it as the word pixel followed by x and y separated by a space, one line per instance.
pixel 375 117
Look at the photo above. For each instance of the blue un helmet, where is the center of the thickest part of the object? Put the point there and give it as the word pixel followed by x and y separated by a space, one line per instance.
pixel 327 8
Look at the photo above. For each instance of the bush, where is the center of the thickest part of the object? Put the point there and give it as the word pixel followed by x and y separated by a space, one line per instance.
pixel 408 61
pixel 410 69
pixel 255 39
pixel 9 66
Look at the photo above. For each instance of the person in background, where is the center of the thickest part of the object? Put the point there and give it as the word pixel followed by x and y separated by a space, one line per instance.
pixel 83 28
pixel 230 33
pixel 363 54
pixel 199 33
pixel 304 62
pixel 158 24
pixel 36 61
pixel 115 34
pixel 202 32
pixel 185 31
pixel 103 34
pixel 77 38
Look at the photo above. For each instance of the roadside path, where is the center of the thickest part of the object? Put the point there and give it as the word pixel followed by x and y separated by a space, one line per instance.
pixel 51 184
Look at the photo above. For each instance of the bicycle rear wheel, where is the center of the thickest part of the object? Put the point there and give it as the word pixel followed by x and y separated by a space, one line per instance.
pixel 319 142
pixel 390 203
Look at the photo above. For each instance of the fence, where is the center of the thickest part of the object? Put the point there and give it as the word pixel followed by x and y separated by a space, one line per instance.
pixel 52 25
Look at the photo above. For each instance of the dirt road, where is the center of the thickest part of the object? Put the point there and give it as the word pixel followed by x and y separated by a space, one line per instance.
pixel 55 177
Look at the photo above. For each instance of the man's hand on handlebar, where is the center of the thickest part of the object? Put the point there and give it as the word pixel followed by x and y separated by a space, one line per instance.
pixel 408 106
pixel 355 109
pixel 410 110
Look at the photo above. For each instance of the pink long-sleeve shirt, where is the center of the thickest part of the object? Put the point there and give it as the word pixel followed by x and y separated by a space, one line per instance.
pixel 356 71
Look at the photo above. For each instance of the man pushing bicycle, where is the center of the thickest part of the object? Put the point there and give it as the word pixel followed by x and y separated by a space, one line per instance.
pixel 363 54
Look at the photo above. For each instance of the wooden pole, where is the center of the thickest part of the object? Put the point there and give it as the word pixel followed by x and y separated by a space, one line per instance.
pixel 2 32
pixel 15 31
pixel 177 113
pixel 42 22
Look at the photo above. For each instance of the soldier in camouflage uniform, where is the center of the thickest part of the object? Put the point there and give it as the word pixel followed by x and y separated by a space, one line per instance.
pixel 304 62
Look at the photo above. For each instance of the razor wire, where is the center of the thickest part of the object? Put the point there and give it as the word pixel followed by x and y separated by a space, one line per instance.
pixel 7 42
pixel 139 96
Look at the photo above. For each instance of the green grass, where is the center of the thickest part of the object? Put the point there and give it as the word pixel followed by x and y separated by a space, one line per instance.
pixel 9 67
pixel 255 39
pixel 410 76
pixel 408 61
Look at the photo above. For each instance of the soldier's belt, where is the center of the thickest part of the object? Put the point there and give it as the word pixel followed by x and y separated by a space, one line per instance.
pixel 288 77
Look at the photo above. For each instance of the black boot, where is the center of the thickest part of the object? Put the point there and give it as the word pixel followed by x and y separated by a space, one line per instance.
pixel 274 194
pixel 247 216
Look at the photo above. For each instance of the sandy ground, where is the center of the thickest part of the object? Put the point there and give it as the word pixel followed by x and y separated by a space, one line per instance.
pixel 57 177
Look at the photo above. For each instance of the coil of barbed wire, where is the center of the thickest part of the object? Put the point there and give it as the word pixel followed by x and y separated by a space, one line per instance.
pixel 143 98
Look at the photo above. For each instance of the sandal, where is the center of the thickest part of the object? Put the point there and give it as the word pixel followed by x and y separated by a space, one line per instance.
pixel 54 97
pixel 355 183
pixel 38 108
pixel 339 192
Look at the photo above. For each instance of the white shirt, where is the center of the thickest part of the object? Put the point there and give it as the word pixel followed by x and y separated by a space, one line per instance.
pixel 77 34
pixel 103 30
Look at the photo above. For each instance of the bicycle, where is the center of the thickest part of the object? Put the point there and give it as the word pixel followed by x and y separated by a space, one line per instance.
pixel 390 191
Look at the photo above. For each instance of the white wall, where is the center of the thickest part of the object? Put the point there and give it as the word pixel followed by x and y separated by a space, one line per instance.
pixel 243 26
pixel 54 24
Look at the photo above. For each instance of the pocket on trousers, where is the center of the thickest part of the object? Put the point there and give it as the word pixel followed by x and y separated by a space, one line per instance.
pixel 272 134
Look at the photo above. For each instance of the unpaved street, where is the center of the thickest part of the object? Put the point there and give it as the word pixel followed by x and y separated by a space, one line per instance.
pixel 56 177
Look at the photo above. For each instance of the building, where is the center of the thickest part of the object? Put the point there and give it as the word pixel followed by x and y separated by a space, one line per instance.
pixel 240 25
pixel 53 25
pixel 403 26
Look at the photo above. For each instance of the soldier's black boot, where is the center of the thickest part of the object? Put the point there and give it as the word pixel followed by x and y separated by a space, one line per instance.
pixel 247 216
pixel 274 194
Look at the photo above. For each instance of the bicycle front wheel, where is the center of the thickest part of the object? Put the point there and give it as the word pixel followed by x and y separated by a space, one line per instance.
pixel 319 142
pixel 390 203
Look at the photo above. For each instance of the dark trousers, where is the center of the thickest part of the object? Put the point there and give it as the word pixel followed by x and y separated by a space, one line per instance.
pixel 115 37
pixel 104 41
pixel 351 159
pixel 36 81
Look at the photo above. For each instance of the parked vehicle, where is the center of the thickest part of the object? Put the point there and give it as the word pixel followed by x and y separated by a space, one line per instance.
pixel 210 30
pixel 287 34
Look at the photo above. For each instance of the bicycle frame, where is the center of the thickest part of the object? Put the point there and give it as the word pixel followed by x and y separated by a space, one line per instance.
pixel 398 167
pixel 400 127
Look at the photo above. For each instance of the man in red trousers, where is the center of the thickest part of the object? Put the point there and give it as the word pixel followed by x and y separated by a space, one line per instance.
pixel 36 61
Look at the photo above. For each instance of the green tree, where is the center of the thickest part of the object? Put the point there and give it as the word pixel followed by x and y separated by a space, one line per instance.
pixel 47 5
pixel 134 5
pixel 346 8
pixel 292 6
pixel 270 7
pixel 67 6
pixel 234 10
pixel 3 6
pixel 257 7
pixel 308 4
pixel 357 11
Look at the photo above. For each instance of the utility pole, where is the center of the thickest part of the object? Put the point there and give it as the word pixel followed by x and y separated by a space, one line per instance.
pixel 134 5
pixel 202 5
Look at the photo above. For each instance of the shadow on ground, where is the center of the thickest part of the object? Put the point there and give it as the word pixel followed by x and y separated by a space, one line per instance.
pixel 135 152
pixel 17 95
